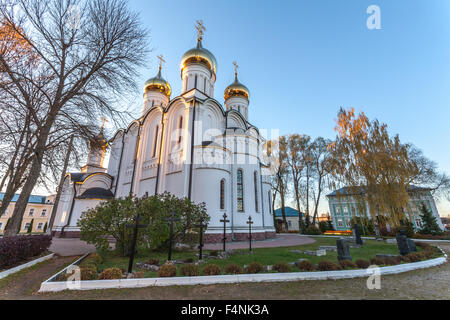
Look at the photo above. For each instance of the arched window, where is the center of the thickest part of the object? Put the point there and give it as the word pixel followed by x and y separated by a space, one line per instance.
pixel 222 194
pixel 195 83
pixel 255 182
pixel 270 201
pixel 155 141
pixel 204 84
pixel 240 191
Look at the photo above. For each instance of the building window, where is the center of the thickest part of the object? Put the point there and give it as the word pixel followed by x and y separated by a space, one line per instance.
pixel 419 223
pixel 1 225
pixel 345 210
pixel 240 191
pixel 44 212
pixel 40 225
pixel 290 223
pixel 255 182
pixel 222 194
pixel 31 213
pixel 270 201
pixel 26 226
pixel 339 222
pixel 155 141
pixel 195 84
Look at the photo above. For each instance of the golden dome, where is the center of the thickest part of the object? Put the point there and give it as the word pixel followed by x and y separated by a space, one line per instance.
pixel 236 89
pixel 158 84
pixel 199 55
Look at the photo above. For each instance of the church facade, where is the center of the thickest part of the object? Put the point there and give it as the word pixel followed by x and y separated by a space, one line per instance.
pixel 190 146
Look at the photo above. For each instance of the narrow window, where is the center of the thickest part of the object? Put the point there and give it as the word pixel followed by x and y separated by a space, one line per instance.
pixel 155 141
pixel 204 84
pixel 222 194
pixel 270 201
pixel 240 191
pixel 180 128
pixel 255 181
pixel 195 83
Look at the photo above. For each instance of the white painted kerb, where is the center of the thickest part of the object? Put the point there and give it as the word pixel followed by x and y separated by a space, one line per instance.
pixel 49 286
pixel 6 273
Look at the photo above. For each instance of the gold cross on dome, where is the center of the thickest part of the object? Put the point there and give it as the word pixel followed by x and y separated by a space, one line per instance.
pixel 161 61
pixel 236 67
pixel 200 30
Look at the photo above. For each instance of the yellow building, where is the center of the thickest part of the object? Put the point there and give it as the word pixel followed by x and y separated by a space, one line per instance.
pixel 38 211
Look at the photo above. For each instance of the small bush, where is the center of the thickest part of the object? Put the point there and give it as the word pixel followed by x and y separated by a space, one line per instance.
pixel 153 261
pixel 190 260
pixel 88 273
pixel 391 261
pixel 111 273
pixel 326 265
pixel 167 270
pixel 414 257
pixel 377 261
pixel 214 253
pixel 362 264
pixel 254 267
pixel 347 264
pixel 189 270
pixel 138 274
pixel 211 270
pixel 312 230
pixel 233 269
pixel 88 264
pixel 282 267
pixel 305 265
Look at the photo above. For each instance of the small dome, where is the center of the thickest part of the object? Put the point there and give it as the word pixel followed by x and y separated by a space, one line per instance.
pixel 199 55
pixel 236 89
pixel 99 141
pixel 158 84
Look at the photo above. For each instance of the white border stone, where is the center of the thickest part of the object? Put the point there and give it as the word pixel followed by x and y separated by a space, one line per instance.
pixel 52 286
pixel 8 272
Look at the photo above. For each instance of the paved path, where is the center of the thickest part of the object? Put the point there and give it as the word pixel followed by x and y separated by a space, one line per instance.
pixel 70 247
pixel 281 240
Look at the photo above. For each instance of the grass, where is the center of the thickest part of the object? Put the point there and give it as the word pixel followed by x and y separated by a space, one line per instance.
pixel 265 256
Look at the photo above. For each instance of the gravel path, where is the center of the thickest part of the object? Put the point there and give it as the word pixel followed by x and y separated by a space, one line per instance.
pixel 283 240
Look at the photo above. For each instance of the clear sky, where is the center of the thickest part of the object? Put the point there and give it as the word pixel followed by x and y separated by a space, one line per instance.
pixel 302 60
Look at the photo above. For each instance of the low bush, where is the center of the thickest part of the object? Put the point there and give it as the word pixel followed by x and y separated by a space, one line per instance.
pixel 17 249
pixel 347 264
pixel 153 261
pixel 189 270
pixel 254 267
pixel 88 265
pixel 326 265
pixel 305 265
pixel 377 261
pixel 312 230
pixel 282 267
pixel 233 269
pixel 110 273
pixel 391 261
pixel 167 270
pixel 189 260
pixel 414 257
pixel 211 270
pixel 88 273
pixel 214 253
pixel 138 274
pixel 362 264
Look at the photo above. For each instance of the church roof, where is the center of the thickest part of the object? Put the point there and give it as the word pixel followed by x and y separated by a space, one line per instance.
pixel 97 193
pixel 290 212
pixel 31 199
pixel 347 191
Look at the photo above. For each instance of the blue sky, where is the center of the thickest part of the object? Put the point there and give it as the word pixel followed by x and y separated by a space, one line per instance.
pixel 302 60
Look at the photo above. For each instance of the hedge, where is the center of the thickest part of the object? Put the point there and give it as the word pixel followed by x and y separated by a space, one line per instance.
pixel 17 249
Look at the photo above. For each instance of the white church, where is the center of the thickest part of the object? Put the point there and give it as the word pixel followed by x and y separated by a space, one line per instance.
pixel 190 146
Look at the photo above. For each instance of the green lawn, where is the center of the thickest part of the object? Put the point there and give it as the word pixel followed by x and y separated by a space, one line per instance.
pixel 266 256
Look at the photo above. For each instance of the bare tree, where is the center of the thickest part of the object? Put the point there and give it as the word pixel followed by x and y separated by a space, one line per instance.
pixel 86 59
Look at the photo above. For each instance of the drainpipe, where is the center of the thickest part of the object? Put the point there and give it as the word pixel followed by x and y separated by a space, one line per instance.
pixel 71 211
pixel 262 196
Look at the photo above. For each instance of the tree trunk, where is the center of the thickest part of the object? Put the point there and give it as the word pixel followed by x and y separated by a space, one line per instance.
pixel 60 186
pixel 283 209
pixel 297 199
pixel 316 205
pixel 21 204
pixel 307 197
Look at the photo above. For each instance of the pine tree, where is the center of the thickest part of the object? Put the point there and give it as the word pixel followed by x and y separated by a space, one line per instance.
pixel 30 227
pixel 45 227
pixel 429 223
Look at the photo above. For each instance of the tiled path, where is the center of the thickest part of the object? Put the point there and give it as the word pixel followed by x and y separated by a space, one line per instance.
pixel 282 240
pixel 70 247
